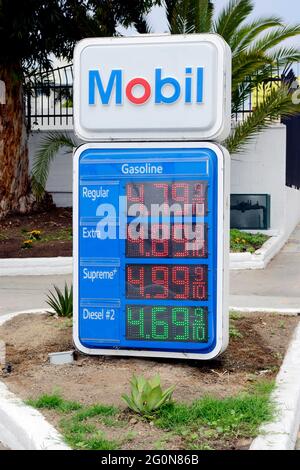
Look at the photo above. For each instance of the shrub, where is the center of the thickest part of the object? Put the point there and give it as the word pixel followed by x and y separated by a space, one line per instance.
pixel 147 396
pixel 61 302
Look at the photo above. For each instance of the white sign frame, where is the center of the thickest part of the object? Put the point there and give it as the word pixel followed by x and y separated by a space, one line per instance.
pixel 222 313
pixel 130 126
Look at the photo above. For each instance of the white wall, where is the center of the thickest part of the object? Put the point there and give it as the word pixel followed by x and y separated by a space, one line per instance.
pixel 259 169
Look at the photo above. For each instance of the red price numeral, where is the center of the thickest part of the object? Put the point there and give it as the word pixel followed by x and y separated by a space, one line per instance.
pixel 179 241
pixel 160 277
pixel 160 235
pixel 200 284
pixel 135 193
pixel 180 194
pixel 164 187
pixel 136 277
pixel 180 277
pixel 136 241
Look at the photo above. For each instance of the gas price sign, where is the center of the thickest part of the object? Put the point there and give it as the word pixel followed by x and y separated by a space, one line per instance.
pixel 151 249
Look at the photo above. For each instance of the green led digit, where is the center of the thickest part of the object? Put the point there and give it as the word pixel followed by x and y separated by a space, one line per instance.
pixel 159 333
pixel 181 323
pixel 136 322
pixel 199 325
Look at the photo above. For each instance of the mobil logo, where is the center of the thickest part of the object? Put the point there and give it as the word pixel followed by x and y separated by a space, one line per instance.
pixel 161 88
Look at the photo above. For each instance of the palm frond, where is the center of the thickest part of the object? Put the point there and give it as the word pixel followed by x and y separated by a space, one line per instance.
pixel 277 103
pixel 284 56
pixel 45 154
pixel 275 37
pixel 231 18
pixel 244 35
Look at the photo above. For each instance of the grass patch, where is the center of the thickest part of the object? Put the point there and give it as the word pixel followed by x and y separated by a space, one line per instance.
pixel 54 402
pixel 234 332
pixel 210 418
pixel 205 424
pixel 241 242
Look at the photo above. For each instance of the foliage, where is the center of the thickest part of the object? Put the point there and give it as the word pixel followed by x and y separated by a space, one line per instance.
pixel 54 402
pixel 36 28
pixel 243 241
pixel 147 396
pixel 61 302
pixel 256 52
pixel 27 244
pixel 240 416
pixel 45 154
pixel 199 425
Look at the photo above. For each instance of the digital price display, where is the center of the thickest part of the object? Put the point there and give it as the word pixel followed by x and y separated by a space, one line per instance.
pixel 150 250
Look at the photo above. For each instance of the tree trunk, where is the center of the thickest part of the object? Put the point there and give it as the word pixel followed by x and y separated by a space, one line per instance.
pixel 14 178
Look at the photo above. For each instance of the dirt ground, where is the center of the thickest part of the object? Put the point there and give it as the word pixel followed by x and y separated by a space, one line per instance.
pixel 256 349
pixel 90 380
pixel 52 223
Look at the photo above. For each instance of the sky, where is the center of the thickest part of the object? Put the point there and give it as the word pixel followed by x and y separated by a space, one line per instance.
pixel 288 10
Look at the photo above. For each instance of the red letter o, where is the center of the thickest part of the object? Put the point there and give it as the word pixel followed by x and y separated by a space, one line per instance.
pixel 144 84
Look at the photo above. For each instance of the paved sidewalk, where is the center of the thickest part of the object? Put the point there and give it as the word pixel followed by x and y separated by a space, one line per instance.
pixel 26 292
pixel 276 287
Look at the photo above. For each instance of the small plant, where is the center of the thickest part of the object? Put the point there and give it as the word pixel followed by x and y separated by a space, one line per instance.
pixel 26 244
pixel 35 234
pixel 61 302
pixel 243 241
pixel 234 332
pixel 147 396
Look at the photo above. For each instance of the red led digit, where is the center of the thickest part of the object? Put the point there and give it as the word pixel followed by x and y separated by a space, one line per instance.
pixel 136 245
pixel 136 277
pixel 160 277
pixel 164 187
pixel 180 277
pixel 180 194
pixel 160 240
pixel 199 199
pixel 136 193
pixel 200 284
pixel 179 242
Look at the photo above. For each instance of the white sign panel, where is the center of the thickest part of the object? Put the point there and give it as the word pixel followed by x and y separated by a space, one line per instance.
pixel 152 88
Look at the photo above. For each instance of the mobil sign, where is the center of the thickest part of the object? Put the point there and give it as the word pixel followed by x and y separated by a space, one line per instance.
pixel 152 88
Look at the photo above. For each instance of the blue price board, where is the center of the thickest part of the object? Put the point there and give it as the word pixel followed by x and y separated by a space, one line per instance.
pixel 151 249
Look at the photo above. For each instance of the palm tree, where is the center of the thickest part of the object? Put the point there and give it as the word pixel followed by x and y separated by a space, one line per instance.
pixel 256 49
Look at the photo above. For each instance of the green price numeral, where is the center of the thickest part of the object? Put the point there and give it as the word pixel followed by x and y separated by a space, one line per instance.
pixel 183 323
pixel 199 326
pixel 160 328
pixel 137 322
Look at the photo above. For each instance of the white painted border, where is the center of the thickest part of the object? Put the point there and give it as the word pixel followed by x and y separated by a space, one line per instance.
pixel 282 433
pixel 223 250
pixel 35 266
pixel 219 130
pixel 261 258
pixel 21 426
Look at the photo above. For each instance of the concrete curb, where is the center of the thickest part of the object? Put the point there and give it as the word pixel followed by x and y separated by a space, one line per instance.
pixel 21 426
pixel 35 266
pixel 281 434
pixel 261 258
pixel 293 312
